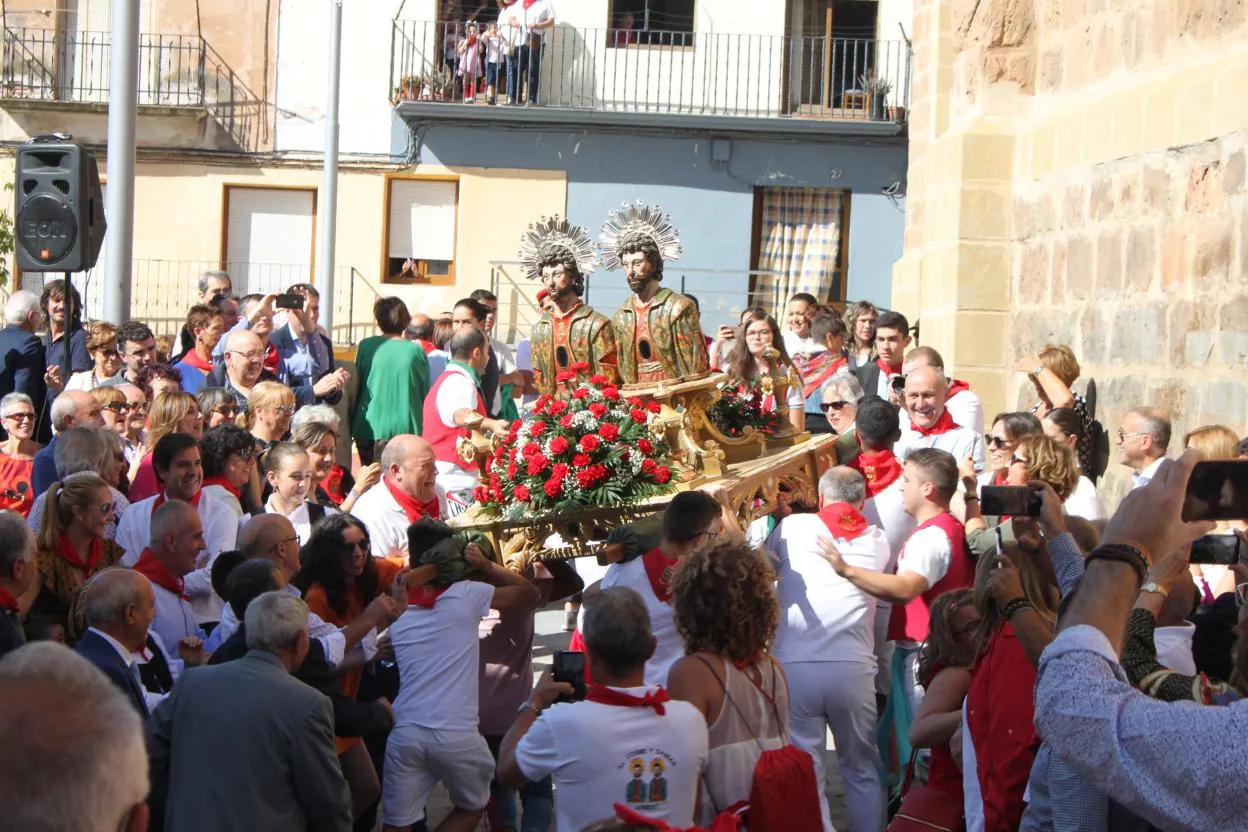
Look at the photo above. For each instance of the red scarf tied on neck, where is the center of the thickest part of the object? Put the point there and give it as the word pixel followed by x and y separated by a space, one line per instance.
pixel 8 601
pixel 159 574
pixel 413 508
pixel 659 572
pixel 888 371
pixel 70 555
pixel 161 499
pixel 528 4
pixel 844 521
pixel 609 696
pixel 224 482
pixel 880 469
pixel 425 596
pixel 942 425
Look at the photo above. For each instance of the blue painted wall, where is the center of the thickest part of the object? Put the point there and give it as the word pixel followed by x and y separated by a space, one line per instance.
pixel 711 204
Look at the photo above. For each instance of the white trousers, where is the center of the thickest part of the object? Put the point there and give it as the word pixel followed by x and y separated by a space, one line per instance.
pixel 840 696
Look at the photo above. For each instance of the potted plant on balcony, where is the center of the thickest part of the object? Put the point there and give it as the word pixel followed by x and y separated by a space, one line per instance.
pixel 437 84
pixel 409 88
pixel 877 90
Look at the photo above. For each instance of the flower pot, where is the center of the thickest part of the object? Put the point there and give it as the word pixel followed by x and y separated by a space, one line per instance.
pixel 878 109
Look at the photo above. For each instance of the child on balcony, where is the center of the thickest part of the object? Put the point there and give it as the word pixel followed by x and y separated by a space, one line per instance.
pixel 494 56
pixel 470 63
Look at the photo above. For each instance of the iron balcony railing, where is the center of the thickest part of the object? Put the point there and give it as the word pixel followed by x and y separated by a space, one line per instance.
pixel 174 71
pixel 602 70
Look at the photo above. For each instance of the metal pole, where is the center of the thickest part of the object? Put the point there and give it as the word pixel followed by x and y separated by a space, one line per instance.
pixel 123 101
pixel 328 207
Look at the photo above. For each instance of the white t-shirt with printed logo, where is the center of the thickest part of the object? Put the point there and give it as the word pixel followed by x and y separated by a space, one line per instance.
pixel 600 755
pixel 436 649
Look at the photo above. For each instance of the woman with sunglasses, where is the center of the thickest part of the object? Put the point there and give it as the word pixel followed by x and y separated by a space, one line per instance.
pixel 17 453
pixel 218 406
pixel 269 408
pixel 1008 429
pixel 230 475
pixel 1065 425
pixel 748 364
pixel 171 412
pixel 72 544
pixel 339 578
pixel 101 345
pixel 113 407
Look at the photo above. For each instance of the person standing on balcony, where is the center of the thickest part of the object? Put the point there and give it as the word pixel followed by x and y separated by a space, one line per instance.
pixel 532 18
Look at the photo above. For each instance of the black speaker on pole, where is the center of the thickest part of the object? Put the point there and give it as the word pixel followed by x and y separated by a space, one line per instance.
pixel 59 213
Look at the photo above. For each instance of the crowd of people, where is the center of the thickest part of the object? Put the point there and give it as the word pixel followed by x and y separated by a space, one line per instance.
pixel 243 540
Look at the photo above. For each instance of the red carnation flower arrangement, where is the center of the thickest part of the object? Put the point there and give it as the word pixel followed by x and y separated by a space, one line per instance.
pixel 596 450
pixel 737 410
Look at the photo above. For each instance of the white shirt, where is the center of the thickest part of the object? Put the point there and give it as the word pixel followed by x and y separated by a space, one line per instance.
pixel 960 441
pixel 1082 501
pixel 330 637
pixel 600 755
pixel 887 511
pixel 967 410
pixel 175 619
pixel 134 534
pixel 438 653
pixel 668 647
pixel 457 392
pixel 927 553
pixel 386 520
pixel 1174 647
pixel 1143 477
pixel 539 12
pixel 794 344
pixel 300 517
pixel 823 617
pixel 221 495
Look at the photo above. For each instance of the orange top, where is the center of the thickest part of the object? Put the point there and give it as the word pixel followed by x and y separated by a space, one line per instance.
pixel 12 473
pixel 318 602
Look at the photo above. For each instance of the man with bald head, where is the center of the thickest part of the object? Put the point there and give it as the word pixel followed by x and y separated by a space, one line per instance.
pixel 931 425
pixel 177 538
pixel 963 404
pixel 407 492
pixel 118 608
pixel 73 408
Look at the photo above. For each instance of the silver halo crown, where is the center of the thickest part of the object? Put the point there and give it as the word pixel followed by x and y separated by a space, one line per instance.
pixel 550 237
pixel 633 220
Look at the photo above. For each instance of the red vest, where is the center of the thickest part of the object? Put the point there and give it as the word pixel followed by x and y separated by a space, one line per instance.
pixel 443 437
pixel 911 621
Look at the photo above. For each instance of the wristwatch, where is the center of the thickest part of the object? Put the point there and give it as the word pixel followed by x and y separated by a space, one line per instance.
pixel 529 706
pixel 1155 588
pixel 1036 372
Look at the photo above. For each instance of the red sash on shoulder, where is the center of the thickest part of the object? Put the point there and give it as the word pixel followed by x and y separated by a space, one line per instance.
pixel 843 520
pixel 658 571
pixel 880 469
pixel 942 425
pixel 820 369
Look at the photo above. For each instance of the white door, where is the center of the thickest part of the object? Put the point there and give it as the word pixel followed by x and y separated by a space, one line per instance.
pixel 269 238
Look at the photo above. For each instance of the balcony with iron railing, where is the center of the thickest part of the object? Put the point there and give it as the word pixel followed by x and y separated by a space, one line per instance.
pixel 763 82
pixel 178 75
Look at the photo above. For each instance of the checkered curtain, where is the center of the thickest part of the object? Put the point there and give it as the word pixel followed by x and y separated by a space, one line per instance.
pixel 801 245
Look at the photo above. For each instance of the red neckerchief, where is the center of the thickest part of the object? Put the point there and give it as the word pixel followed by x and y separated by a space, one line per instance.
pixel 529 3
pixel 413 508
pixel 999 477
pixel 820 369
pixel 956 387
pixel 658 572
pixel 225 483
pixel 880 469
pixel 608 696
pixel 159 574
pixel 427 346
pixel 70 555
pixel 888 371
pixel 8 601
pixel 425 596
pixel 270 358
pixel 942 425
pixel 332 485
pixel 843 521
pixel 192 359
pixel 161 500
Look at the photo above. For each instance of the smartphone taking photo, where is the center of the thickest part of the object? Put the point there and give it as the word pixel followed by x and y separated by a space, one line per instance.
pixel 569 666
pixel 1217 549
pixel 1217 490
pixel 291 301
pixel 1010 501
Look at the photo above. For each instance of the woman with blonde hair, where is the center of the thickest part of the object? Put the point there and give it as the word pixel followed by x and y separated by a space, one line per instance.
pixel 860 328
pixel 269 408
pixel 171 412
pixel 1215 442
pixel 726 610
pixel 101 345
pixel 1053 372
pixel 17 453
pixel 114 408
pixel 71 545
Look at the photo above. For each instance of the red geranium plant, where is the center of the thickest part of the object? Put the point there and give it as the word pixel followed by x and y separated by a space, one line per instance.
pixel 593 449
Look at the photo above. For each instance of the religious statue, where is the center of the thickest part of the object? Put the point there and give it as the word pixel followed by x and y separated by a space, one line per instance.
pixel 561 256
pixel 657 330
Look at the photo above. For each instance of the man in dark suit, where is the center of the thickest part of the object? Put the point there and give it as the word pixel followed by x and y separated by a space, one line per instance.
pixel 118 610
pixel 305 356
pixel 17 574
pixel 892 339
pixel 243 745
pixel 24 367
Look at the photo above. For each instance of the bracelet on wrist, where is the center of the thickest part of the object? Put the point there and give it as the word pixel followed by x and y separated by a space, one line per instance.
pixel 1014 606
pixel 970 498
pixel 1124 553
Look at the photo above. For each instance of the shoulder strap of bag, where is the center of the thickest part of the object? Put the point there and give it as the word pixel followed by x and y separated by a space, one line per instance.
pixel 316 513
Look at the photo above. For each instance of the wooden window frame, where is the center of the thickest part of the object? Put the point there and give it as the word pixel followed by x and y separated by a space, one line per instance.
pixel 422 277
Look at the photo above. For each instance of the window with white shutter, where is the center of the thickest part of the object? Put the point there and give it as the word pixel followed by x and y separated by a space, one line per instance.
pixel 420 231
pixel 269 237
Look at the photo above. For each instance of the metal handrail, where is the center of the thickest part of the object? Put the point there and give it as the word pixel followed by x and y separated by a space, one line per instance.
pixel 699 73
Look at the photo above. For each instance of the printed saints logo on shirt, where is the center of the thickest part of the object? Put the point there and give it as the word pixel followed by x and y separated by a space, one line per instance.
pixel 647 783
